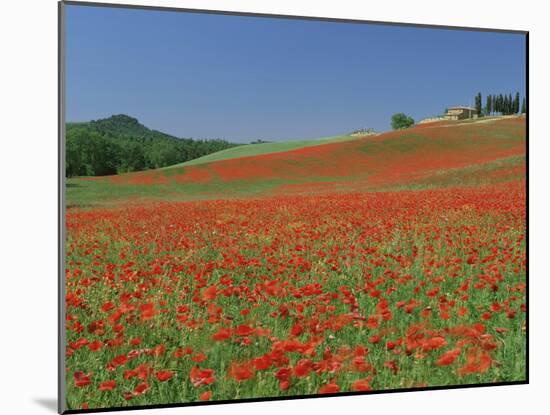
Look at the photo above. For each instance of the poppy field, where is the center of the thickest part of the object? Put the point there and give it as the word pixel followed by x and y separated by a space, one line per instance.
pixel 381 263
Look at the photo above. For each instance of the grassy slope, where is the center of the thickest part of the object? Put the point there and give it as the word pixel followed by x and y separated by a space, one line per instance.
pixel 251 150
pixel 466 154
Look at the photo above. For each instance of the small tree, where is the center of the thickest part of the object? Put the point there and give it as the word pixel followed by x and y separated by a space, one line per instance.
pixel 523 106
pixel 401 121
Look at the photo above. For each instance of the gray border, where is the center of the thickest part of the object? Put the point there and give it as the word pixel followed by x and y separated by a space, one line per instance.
pixel 61 404
pixel 292 17
pixel 61 331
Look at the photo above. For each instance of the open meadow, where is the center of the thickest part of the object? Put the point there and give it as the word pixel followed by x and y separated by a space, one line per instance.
pixel 360 263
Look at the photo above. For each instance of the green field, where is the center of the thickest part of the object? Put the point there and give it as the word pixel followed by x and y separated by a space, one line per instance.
pixel 443 156
pixel 385 262
pixel 250 150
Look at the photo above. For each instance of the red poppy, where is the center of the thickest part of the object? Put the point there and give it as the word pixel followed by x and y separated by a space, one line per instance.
pixel 296 329
pixel 209 293
pixel 448 357
pixel 107 385
pixel 359 364
pixel 205 396
pixel 222 334
pixel 95 346
pixel 129 374
pixel 361 385
pixel 434 343
pixel 79 343
pixel 284 385
pixel 262 363
pixel 374 339
pixel 329 388
pixel 143 371
pixel 81 379
pixel 141 388
pixel 240 371
pixel 164 375
pixel 199 357
pixel 117 361
pixel 486 316
pixel 201 376
pixel 244 330
pixel 107 306
pixel 477 361
pixel 372 322
pixel 303 367
pixel 147 311
pixel 181 351
pixel 283 373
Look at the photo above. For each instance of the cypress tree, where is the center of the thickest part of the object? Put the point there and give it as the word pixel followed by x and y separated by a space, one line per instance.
pixel 523 106
pixel 516 103
pixel 488 105
pixel 478 103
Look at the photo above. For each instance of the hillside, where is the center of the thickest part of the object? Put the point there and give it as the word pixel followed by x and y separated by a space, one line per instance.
pixel 125 126
pixel 447 155
pixel 263 148
pixel 121 144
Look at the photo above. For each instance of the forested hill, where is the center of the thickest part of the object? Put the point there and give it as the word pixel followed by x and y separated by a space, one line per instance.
pixel 126 126
pixel 120 144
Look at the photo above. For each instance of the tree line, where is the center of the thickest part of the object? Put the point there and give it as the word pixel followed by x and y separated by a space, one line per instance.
pixel 503 104
pixel 121 144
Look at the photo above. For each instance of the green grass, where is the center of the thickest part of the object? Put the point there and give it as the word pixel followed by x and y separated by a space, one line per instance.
pixel 95 193
pixel 250 150
pixel 360 250
pixel 401 245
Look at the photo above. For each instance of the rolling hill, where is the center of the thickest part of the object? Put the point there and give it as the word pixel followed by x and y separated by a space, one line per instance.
pixel 463 154
pixel 263 148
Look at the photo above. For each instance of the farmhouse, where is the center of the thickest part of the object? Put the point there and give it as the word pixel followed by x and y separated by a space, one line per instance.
pixel 460 113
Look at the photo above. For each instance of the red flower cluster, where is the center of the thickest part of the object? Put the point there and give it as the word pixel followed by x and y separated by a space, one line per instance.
pixel 296 295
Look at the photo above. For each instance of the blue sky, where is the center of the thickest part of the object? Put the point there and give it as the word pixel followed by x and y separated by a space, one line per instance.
pixel 243 78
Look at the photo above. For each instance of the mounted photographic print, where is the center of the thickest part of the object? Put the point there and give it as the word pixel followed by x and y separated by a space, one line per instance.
pixel 258 207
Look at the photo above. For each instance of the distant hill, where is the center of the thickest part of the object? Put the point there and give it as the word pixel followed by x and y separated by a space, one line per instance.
pixel 121 144
pixel 124 125
pixel 457 154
